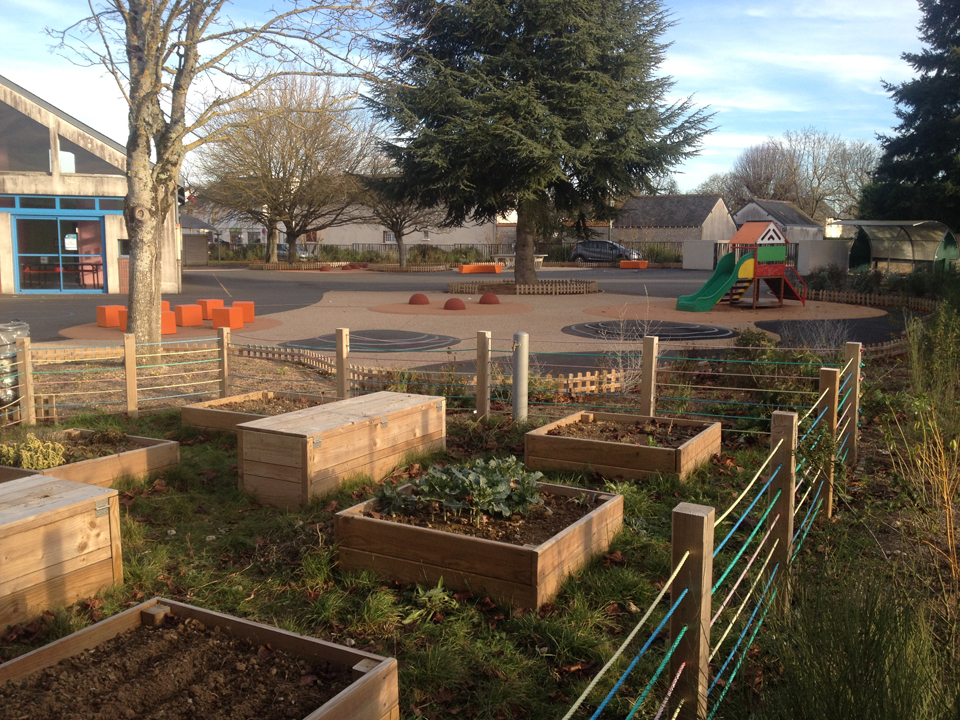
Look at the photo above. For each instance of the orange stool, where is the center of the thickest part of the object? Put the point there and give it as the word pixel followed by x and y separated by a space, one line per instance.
pixel 122 319
pixel 164 306
pixel 208 306
pixel 229 317
pixel 108 315
pixel 168 323
pixel 188 315
pixel 247 306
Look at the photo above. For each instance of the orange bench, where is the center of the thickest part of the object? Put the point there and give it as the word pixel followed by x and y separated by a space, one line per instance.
pixel 248 310
pixel 633 264
pixel 228 317
pixel 208 307
pixel 168 322
pixel 480 268
pixel 109 315
pixel 188 315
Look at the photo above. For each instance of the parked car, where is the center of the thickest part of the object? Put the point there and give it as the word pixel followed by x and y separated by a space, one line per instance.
pixel 283 250
pixel 602 251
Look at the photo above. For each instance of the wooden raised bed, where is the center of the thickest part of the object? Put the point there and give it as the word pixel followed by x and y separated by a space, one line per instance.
pixel 525 576
pixel 613 459
pixel 633 264
pixel 152 456
pixel 372 696
pixel 59 542
pixel 207 416
pixel 287 459
pixel 10 473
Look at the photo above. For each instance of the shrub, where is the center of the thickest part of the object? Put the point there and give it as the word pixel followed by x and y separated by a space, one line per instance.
pixel 32 454
pixel 480 487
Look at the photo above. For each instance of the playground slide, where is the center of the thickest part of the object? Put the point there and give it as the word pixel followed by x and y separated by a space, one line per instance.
pixel 728 272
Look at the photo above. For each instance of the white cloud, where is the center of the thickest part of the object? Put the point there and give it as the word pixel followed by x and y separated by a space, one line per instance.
pixel 843 67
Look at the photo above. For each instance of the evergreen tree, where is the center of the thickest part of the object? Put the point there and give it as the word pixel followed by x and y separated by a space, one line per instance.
pixel 543 107
pixel 919 174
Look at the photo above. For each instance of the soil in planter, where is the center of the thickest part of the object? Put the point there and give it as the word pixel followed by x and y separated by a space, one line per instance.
pixel 540 523
pixel 656 433
pixel 271 406
pixel 181 670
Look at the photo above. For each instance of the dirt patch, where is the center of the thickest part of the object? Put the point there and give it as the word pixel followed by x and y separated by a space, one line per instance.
pixel 181 670
pixel 655 433
pixel 268 406
pixel 540 524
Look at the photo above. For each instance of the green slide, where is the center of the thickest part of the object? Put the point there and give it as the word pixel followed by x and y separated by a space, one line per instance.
pixel 724 278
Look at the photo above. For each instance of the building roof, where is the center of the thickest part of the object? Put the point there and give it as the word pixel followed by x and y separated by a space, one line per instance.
pixel 751 232
pixel 62 115
pixel 189 222
pixel 666 210
pixel 784 213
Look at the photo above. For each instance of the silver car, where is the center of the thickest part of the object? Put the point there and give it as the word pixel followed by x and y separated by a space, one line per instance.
pixel 602 251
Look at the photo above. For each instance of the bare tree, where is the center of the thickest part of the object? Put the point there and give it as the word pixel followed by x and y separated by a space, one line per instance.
pixel 291 156
pixel 152 48
pixel 383 201
pixel 821 174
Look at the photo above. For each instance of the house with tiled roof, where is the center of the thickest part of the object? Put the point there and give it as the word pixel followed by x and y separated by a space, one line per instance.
pixel 814 250
pixel 62 188
pixel 698 221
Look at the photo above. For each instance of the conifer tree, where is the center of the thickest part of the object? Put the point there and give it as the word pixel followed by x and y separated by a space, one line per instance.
pixel 919 174
pixel 543 107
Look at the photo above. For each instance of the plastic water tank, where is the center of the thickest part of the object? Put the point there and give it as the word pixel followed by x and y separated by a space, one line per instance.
pixel 9 332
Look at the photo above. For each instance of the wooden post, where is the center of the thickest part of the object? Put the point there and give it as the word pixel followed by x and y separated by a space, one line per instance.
pixel 521 375
pixel 783 427
pixel 343 370
pixel 28 412
pixel 130 372
pixel 693 533
pixel 852 353
pixel 483 373
pixel 223 347
pixel 829 382
pixel 648 379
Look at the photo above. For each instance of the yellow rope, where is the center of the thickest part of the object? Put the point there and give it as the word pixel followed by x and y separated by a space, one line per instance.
pixel 746 490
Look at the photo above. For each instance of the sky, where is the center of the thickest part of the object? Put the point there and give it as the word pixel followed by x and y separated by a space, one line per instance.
pixel 762 67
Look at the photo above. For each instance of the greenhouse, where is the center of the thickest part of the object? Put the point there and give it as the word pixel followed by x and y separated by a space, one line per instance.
pixel 902 245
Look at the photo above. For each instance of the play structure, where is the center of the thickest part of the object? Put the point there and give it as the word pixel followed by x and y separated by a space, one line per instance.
pixel 757 252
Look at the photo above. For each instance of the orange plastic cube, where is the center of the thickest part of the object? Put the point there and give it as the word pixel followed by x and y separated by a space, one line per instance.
pixel 108 315
pixel 248 311
pixel 164 306
pixel 168 323
pixel 229 317
pixel 188 315
pixel 122 319
pixel 208 307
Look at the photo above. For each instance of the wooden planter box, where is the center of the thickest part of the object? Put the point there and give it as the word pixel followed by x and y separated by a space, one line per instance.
pixel 612 459
pixel 207 416
pixel 525 576
pixel 372 696
pixel 491 268
pixel 152 456
pixel 287 459
pixel 633 264
pixel 59 542
pixel 9 473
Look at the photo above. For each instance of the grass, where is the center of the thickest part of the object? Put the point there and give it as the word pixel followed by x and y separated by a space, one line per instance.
pixel 192 535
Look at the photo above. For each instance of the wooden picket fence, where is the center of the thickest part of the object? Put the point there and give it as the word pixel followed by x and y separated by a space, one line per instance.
pixel 544 287
pixel 872 300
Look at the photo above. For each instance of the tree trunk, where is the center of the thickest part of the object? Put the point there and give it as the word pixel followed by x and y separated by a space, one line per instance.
pixel 401 249
pixel 292 255
pixel 524 268
pixel 144 220
pixel 273 235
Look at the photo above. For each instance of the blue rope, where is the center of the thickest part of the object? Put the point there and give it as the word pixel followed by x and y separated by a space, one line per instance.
pixel 720 402
pixel 104 402
pixel 809 510
pixel 633 664
pixel 803 539
pixel 815 422
pixel 845 383
pixel 747 543
pixel 736 668
pixel 746 512
pixel 746 629
pixel 663 664
pixel 752 362
pixel 700 414
pixel 167 397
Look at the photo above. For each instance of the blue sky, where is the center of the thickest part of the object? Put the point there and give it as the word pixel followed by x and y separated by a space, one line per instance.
pixel 763 67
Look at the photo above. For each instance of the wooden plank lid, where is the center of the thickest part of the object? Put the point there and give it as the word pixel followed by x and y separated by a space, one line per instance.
pixel 35 495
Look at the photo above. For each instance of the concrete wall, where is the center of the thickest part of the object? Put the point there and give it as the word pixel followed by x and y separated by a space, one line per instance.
pixel 816 254
pixel 6 253
pixel 373 234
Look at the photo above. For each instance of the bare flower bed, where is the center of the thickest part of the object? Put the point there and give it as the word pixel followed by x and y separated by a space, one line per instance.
pixel 651 433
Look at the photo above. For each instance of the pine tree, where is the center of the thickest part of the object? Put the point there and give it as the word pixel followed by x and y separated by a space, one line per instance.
pixel 919 174
pixel 543 107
